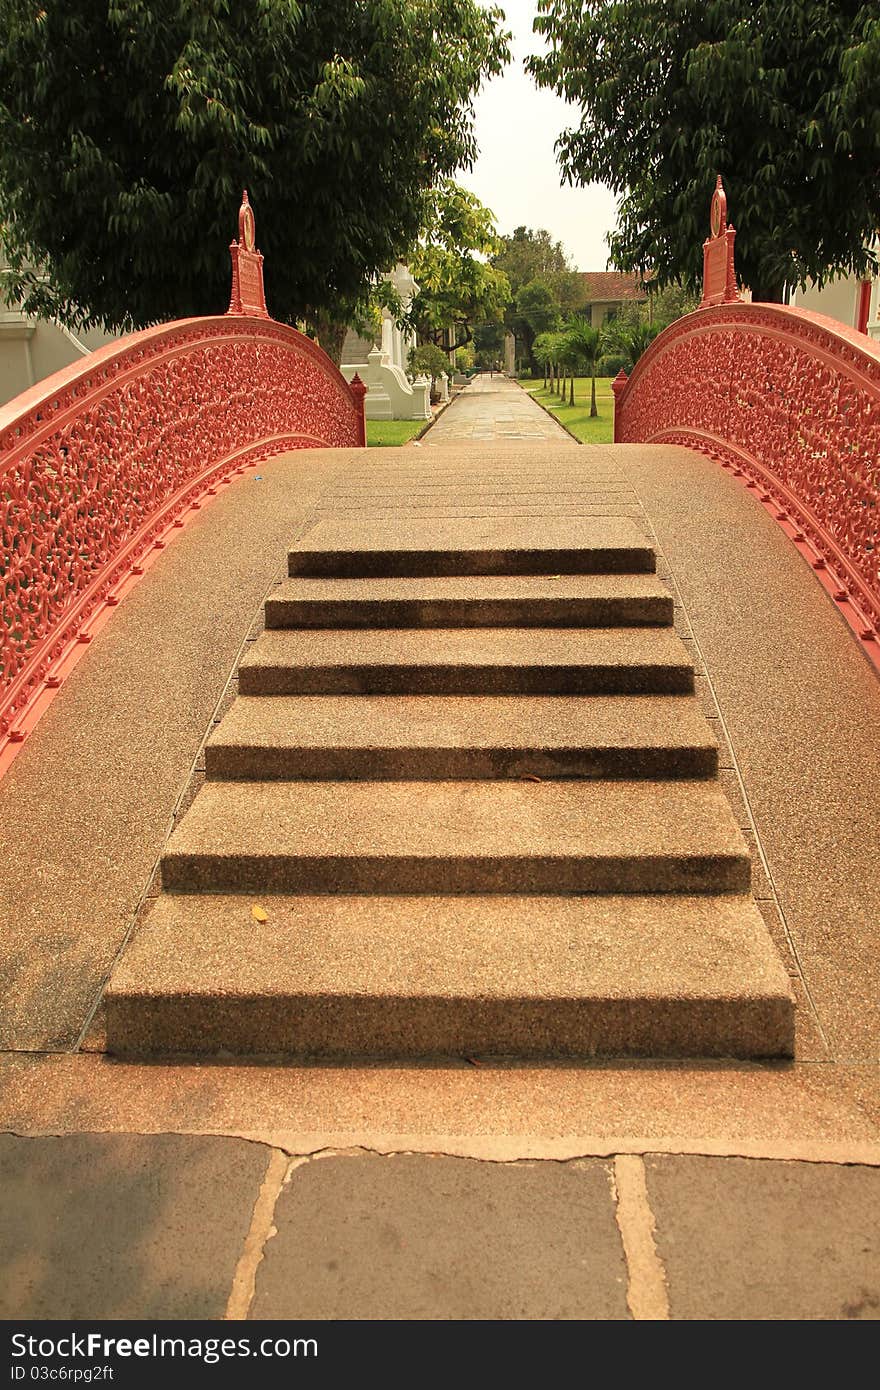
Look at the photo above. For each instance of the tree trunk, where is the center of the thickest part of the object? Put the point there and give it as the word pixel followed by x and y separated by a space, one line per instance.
pixel 593 407
pixel 331 336
pixel 571 388
pixel 768 292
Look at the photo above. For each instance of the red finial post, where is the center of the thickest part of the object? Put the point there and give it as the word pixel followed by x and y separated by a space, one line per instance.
pixel 719 274
pixel 248 295
pixel 359 391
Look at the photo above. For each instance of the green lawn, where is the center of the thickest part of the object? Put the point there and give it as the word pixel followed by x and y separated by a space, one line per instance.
pixel 577 417
pixel 381 433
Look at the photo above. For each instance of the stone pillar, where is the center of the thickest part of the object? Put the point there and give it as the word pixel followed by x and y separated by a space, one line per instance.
pixel 387 342
pixel 510 354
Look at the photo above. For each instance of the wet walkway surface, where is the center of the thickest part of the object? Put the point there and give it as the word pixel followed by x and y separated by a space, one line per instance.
pixel 457 1189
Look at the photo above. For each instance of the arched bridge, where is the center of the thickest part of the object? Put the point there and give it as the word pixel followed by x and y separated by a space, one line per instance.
pixel 529 750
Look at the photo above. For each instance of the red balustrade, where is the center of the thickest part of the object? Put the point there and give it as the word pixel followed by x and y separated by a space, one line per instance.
pixel 789 401
pixel 101 463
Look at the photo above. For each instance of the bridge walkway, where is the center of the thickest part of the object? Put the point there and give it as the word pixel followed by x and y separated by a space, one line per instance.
pixel 725 1157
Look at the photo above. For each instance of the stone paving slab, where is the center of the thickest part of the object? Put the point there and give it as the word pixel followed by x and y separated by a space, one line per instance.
pixel 123 1226
pixel 413 1236
pixel 741 1238
pixel 495 408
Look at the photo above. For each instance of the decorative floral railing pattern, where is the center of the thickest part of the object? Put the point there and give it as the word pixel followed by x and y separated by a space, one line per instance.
pixel 790 402
pixel 98 462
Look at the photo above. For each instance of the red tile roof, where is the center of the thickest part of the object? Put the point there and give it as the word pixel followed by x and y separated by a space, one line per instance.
pixel 612 286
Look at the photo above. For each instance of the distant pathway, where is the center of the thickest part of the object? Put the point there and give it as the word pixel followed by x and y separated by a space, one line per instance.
pixel 495 408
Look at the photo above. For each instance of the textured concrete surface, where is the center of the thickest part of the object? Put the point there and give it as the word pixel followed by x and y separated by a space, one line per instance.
pixel 360 548
pixel 569 600
pixel 745 1239
pixel 457 837
pixel 523 976
pixel 416 1237
pixel 122 1226
pixel 89 800
pixel 458 737
pixel 799 701
pixel 793 692
pixel 501 1111
pixel 467 661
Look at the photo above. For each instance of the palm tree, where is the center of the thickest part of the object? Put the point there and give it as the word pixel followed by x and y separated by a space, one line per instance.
pixel 631 339
pixel 542 350
pixel 585 344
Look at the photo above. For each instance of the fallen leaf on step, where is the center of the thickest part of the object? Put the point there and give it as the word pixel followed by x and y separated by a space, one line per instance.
pixel 530 777
pixel 473 1062
pixel 259 914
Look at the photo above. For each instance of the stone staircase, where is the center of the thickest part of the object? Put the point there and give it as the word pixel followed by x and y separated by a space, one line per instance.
pixel 468 782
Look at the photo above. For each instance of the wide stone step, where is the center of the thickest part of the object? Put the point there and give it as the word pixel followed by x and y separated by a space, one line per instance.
pixel 565 600
pixel 457 837
pixel 460 737
pixel 471 545
pixel 476 661
pixel 420 976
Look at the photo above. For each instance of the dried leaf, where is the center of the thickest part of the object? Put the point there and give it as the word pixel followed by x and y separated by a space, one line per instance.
pixel 530 777
pixel 473 1062
pixel 259 914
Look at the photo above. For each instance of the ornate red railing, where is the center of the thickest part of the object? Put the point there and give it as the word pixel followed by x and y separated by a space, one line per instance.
pixel 789 401
pixel 102 462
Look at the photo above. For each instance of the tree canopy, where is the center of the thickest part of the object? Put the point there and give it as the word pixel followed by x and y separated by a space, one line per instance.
pixel 544 285
pixel 779 96
pixel 458 287
pixel 128 129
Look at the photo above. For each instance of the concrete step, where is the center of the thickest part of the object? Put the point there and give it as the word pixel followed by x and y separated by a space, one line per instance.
pixel 471 545
pixel 387 737
pixel 568 600
pixel 420 976
pixel 475 661
pixel 457 837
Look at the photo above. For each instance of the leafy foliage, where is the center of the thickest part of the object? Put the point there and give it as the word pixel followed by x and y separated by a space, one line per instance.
pixel 458 287
pixel 544 286
pixel 779 96
pixel 429 359
pixel 129 127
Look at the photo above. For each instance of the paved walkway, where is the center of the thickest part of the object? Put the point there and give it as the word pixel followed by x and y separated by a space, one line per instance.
pixel 461 1190
pixel 495 408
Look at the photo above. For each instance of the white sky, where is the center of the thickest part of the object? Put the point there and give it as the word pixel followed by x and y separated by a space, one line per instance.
pixel 516 173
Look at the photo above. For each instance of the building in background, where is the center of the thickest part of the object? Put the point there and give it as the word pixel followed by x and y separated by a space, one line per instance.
pixel 606 291
pixel 31 349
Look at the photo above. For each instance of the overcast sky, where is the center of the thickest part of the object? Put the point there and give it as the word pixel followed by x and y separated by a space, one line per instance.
pixel 516 174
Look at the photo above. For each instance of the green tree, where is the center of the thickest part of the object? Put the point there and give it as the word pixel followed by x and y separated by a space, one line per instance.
pixel 629 339
pixel 458 287
pixel 488 344
pixel 543 352
pixel 532 257
pixel 779 96
pixel 429 359
pixel 584 344
pixel 129 127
